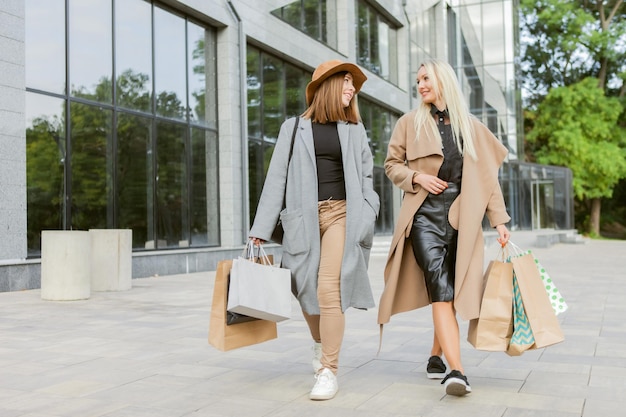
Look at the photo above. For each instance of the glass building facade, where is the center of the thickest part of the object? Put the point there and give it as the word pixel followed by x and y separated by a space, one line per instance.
pixel 139 153
pixel 161 116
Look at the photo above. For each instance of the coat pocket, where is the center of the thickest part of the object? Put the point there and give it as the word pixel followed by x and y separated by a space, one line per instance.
pixel 294 240
pixel 368 224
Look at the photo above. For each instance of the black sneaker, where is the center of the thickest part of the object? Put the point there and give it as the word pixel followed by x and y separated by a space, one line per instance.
pixel 435 369
pixel 456 384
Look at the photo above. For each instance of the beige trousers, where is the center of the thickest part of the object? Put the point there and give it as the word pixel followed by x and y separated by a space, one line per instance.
pixel 328 327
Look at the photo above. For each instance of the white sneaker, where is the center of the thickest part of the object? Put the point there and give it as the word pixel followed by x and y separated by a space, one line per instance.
pixel 325 387
pixel 317 357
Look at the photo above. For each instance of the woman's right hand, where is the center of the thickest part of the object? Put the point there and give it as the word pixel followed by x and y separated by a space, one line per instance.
pixel 430 183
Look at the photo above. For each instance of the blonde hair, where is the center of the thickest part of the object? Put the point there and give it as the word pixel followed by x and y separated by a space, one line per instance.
pixel 446 87
pixel 327 105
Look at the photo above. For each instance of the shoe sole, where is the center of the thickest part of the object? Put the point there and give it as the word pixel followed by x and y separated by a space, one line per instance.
pixel 436 375
pixel 322 397
pixel 457 387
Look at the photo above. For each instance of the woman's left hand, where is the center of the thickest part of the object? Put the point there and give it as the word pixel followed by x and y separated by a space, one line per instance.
pixel 504 234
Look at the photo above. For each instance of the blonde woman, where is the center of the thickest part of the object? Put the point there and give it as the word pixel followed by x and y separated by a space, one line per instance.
pixel 330 213
pixel 446 162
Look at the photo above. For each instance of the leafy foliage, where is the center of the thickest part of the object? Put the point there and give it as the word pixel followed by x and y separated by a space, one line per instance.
pixel 564 42
pixel 576 127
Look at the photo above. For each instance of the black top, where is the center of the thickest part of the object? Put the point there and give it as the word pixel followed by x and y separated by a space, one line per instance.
pixel 330 180
pixel 452 168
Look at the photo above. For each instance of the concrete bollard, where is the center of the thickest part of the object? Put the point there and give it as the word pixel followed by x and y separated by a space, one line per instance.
pixel 111 259
pixel 65 265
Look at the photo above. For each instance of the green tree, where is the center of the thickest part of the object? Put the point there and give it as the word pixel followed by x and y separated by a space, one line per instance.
pixel 576 126
pixel 565 43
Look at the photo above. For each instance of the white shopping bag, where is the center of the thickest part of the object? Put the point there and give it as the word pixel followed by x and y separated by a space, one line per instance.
pixel 258 290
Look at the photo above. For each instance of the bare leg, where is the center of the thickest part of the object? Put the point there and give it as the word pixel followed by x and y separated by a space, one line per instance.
pixel 447 333
pixel 436 349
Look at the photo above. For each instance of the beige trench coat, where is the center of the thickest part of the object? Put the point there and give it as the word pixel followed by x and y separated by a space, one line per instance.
pixel 480 194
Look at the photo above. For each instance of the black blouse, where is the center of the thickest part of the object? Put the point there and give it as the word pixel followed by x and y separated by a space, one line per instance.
pixel 330 179
pixel 452 168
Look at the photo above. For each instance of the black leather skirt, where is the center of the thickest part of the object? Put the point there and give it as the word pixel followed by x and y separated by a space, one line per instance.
pixel 434 243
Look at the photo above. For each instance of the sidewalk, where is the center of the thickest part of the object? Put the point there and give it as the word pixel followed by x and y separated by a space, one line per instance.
pixel 144 353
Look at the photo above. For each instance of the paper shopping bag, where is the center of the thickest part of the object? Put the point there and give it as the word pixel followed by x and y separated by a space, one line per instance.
pixel 522 338
pixel 537 306
pixel 556 299
pixel 492 330
pixel 260 290
pixel 227 337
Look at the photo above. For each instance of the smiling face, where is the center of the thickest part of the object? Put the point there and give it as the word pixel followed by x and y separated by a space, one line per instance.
pixel 348 89
pixel 426 89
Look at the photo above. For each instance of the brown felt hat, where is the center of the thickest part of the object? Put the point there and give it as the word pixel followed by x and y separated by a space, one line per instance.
pixel 332 67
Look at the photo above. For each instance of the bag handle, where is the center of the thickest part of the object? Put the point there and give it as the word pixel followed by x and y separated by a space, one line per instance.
pixel 248 253
pixel 517 251
pixel 503 253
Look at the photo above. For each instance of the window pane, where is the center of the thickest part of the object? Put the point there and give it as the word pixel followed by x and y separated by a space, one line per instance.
pixel 255 173
pixel 253 88
pixel 169 65
pixel 202 76
pixel 171 194
pixel 45 45
pixel 493 33
pixel 45 165
pixel 383 49
pixel 296 81
pixel 374 64
pixel 312 21
pixel 135 173
pixel 205 187
pixel 90 49
pixel 133 54
pixel 363 35
pixel 273 98
pixel 90 158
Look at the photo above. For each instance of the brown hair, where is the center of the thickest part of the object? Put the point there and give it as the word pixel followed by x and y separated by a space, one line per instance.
pixel 327 105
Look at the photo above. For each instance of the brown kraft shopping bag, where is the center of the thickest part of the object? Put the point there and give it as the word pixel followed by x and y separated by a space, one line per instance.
pixel 493 328
pixel 228 337
pixel 537 305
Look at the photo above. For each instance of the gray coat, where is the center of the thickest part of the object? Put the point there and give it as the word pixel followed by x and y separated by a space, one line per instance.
pixel 301 242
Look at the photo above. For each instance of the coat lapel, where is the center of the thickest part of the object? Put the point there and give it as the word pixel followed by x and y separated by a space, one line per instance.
pixel 306 133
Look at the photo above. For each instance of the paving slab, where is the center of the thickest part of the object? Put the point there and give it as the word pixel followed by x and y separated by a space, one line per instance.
pixel 144 352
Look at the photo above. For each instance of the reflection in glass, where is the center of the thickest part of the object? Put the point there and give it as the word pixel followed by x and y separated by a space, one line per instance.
pixel 169 65
pixel 133 54
pixel 90 48
pixel 310 17
pixel 172 223
pixel 493 33
pixel 273 98
pixel 253 89
pixel 111 177
pixel 45 45
pixel 202 66
pixel 204 184
pixel 295 83
pixel 134 178
pixel 45 166
pixel 379 124
pixel 376 42
pixel 90 159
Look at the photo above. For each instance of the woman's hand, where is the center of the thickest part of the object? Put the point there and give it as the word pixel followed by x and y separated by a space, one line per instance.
pixel 430 183
pixel 257 241
pixel 504 234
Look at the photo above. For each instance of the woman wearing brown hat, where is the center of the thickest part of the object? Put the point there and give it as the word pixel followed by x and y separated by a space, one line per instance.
pixel 446 162
pixel 330 211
